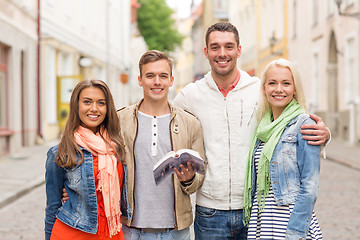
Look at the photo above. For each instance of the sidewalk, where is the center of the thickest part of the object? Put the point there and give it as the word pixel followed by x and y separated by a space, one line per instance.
pixel 23 171
pixel 344 153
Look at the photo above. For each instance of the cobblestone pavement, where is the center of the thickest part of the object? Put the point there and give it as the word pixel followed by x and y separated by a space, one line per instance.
pixel 337 208
pixel 23 219
pixel 338 204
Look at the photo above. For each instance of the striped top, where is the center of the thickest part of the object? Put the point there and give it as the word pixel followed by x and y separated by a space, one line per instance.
pixel 272 222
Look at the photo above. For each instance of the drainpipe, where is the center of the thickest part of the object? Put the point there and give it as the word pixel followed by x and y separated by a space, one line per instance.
pixel 357 101
pixel 107 32
pixel 39 134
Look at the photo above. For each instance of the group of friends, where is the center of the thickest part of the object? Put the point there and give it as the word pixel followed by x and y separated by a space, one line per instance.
pixel 260 149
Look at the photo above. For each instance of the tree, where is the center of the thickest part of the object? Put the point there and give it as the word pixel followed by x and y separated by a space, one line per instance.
pixel 157 26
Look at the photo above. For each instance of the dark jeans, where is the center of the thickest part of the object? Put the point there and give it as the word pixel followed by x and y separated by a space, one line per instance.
pixel 211 224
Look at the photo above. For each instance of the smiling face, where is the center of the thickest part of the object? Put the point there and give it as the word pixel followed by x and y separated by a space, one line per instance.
pixel 156 79
pixel 92 108
pixel 222 52
pixel 279 88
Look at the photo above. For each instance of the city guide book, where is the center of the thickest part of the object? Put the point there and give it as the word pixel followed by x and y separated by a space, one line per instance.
pixel 165 166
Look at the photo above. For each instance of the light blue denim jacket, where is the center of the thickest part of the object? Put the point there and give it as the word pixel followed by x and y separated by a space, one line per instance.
pixel 80 211
pixel 294 172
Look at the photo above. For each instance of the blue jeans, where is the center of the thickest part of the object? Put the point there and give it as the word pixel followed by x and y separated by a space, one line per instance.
pixel 219 224
pixel 136 234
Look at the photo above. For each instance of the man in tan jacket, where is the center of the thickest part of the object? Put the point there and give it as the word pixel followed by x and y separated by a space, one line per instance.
pixel 151 128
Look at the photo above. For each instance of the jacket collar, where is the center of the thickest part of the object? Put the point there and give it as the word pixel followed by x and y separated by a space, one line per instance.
pixel 245 80
pixel 137 106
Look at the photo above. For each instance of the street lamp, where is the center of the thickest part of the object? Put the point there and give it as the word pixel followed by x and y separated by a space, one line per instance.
pixel 338 4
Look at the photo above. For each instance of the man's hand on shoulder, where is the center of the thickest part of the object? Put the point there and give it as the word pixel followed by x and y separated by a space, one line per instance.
pixel 316 134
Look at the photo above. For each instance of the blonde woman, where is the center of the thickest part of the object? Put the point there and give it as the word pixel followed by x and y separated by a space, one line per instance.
pixel 283 169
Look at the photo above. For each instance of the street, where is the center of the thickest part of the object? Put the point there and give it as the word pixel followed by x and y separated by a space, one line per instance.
pixel 23 219
pixel 337 208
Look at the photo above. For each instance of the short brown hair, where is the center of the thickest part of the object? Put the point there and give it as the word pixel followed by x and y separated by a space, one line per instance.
pixel 154 56
pixel 222 27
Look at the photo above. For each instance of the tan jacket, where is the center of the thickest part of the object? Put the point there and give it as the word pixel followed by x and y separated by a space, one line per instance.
pixel 185 132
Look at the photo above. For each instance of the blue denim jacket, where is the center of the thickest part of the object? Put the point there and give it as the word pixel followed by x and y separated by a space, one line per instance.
pixel 294 172
pixel 80 211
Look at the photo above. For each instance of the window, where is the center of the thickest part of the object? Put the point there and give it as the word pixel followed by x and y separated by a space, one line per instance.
pixel 100 73
pixel 314 103
pixel 3 87
pixel 264 26
pixel 349 3
pixel 280 19
pixel 221 9
pixel 350 69
pixel 315 12
pixel 271 19
pixel 294 18
pixel 68 9
pixel 50 69
pixel 330 7
pixel 65 67
pixel 51 3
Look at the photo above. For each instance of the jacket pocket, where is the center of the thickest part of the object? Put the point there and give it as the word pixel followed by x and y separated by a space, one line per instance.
pixel 74 175
pixel 289 143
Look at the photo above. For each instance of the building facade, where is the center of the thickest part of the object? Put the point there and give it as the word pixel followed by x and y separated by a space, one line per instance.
pixel 326 47
pixel 323 43
pixel 203 16
pixel 18 75
pixel 262 26
pixel 81 40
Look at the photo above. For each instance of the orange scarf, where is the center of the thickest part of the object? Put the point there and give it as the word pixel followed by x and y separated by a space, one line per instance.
pixel 108 176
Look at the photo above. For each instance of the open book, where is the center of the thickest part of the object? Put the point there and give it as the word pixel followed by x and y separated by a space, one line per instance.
pixel 165 166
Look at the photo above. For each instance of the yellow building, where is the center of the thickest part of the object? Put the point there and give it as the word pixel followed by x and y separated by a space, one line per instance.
pixel 272 30
pixel 262 25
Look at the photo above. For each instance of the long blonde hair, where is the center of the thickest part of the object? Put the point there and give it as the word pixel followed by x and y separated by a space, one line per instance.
pixel 68 150
pixel 264 104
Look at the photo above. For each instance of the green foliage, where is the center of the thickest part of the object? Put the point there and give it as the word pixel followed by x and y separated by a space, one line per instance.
pixel 157 26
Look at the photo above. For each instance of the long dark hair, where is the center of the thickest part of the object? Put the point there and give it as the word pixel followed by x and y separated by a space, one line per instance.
pixel 68 150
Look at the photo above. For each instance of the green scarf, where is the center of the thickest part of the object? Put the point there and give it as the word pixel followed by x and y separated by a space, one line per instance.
pixel 268 131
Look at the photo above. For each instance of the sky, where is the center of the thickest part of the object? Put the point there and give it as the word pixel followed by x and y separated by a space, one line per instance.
pixel 182 6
